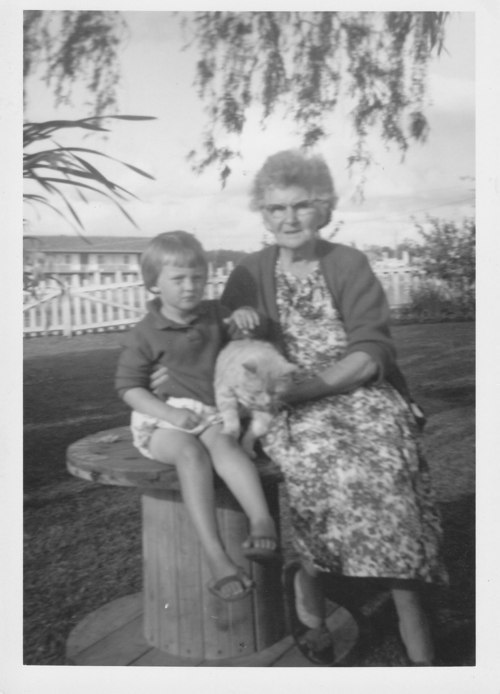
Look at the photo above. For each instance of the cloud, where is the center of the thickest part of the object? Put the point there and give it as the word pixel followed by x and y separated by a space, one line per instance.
pixel 451 95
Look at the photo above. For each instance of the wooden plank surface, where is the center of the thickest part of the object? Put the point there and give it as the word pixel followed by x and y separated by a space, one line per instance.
pixel 160 573
pixel 157 658
pixel 150 577
pixel 167 577
pixel 269 600
pixel 119 647
pixel 270 657
pixel 240 627
pixel 108 457
pixel 100 623
pixel 112 635
pixel 187 557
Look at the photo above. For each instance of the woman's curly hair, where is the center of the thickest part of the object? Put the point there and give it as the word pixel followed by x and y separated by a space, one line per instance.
pixel 295 168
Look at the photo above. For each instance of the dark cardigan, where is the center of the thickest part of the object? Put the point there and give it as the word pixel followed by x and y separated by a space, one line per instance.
pixel 356 293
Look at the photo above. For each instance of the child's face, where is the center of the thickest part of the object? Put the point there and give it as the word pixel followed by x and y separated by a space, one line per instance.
pixel 180 287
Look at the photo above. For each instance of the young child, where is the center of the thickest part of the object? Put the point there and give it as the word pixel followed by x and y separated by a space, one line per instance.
pixel 179 424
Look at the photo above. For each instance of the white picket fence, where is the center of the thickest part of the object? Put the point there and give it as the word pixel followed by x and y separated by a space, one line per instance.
pixel 399 285
pixel 78 303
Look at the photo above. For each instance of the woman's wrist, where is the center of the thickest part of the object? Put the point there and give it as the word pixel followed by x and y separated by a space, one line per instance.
pixel 351 372
pixel 308 389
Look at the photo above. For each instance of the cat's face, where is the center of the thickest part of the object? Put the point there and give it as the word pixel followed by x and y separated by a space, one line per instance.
pixel 261 385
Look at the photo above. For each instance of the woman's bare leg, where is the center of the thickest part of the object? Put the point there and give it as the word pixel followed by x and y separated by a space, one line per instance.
pixel 316 640
pixel 312 601
pixel 194 469
pixel 413 625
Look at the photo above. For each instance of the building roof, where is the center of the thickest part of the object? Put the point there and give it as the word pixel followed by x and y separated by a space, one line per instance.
pixel 90 244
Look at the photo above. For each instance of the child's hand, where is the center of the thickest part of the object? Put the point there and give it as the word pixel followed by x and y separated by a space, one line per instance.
pixel 158 378
pixel 184 419
pixel 245 319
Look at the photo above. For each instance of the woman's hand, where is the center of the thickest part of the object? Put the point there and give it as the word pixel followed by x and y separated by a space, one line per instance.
pixel 245 319
pixel 158 378
pixel 351 372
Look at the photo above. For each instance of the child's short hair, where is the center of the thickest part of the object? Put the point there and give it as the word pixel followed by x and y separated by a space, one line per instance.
pixel 177 247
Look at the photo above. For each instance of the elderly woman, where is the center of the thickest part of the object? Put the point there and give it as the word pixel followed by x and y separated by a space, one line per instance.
pixel 357 483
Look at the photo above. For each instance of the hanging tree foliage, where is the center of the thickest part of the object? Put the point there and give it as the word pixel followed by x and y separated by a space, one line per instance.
pixel 75 48
pixel 306 63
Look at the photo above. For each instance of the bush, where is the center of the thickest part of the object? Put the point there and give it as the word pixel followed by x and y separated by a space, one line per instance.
pixel 437 302
pixel 449 254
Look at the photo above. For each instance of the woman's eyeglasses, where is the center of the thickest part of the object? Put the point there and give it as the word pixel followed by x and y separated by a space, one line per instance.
pixel 301 208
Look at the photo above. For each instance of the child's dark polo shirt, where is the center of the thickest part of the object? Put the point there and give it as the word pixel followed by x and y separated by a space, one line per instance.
pixel 188 351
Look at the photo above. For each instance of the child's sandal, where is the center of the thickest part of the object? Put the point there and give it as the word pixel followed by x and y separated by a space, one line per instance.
pixel 240 577
pixel 262 555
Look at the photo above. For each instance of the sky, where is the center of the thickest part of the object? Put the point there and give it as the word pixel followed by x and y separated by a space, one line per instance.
pixel 436 178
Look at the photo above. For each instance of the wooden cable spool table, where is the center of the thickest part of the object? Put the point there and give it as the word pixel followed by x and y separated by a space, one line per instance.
pixel 181 622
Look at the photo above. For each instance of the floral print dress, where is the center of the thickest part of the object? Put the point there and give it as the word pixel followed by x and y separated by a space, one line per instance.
pixel 358 485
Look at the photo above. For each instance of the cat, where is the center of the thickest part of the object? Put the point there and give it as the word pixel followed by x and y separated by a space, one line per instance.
pixel 250 376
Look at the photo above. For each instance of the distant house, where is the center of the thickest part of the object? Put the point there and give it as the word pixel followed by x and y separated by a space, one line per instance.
pixel 73 254
pixel 70 255
pixel 388 263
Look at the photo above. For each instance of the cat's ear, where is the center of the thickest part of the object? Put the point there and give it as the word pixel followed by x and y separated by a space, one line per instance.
pixel 250 366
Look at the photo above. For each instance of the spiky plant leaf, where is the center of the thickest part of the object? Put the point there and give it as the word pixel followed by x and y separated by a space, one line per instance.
pixel 69 168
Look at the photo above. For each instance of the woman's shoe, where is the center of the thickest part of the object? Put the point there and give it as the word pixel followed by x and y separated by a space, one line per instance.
pixel 316 644
pixel 418 663
pixel 421 663
pixel 308 619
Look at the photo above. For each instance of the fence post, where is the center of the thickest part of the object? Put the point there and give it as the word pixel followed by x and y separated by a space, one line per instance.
pixel 66 309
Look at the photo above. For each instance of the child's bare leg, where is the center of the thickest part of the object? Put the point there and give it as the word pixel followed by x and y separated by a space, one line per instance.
pixel 242 478
pixel 413 625
pixel 258 426
pixel 194 469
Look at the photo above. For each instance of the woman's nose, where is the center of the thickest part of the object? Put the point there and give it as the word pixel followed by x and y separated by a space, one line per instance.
pixel 290 213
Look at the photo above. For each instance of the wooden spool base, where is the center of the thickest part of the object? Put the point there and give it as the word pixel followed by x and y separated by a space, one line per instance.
pixel 114 635
pixel 180 616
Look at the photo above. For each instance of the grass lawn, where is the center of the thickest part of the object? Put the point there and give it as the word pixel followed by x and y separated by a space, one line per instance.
pixel 82 541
